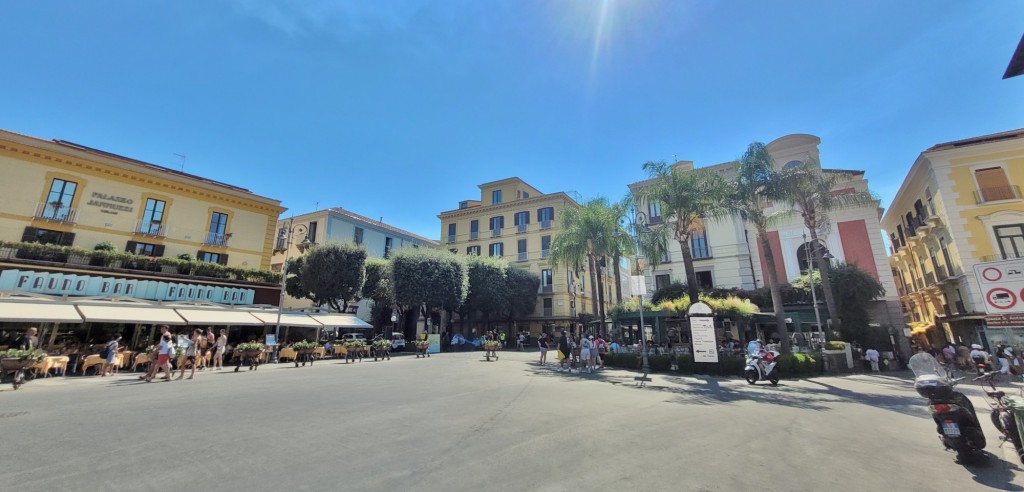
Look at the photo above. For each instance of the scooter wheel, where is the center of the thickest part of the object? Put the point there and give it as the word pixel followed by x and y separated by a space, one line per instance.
pixel 773 378
pixel 750 375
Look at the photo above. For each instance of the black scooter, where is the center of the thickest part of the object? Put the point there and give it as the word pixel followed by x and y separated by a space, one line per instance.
pixel 953 413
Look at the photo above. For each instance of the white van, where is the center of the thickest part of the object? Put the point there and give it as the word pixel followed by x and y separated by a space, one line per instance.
pixel 397 341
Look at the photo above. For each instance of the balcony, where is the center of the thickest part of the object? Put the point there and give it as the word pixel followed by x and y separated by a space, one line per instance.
pixel 929 279
pixel 152 228
pixel 496 232
pixel 546 289
pixel 56 212
pixel 521 228
pixel 545 224
pixel 544 253
pixel 997 193
pixel 474 235
pixel 216 239
pixel 521 257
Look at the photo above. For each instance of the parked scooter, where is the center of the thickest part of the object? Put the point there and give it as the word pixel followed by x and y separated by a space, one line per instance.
pixel 1001 415
pixel 761 367
pixel 954 416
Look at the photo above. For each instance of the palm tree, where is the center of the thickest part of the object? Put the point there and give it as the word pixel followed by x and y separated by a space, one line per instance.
pixel 755 184
pixel 813 193
pixel 586 236
pixel 687 198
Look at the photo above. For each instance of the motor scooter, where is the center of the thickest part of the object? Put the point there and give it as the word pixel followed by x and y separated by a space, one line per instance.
pixel 955 419
pixel 761 367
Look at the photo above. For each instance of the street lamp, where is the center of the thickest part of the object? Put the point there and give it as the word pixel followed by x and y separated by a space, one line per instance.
pixel 286 236
pixel 814 295
pixel 638 225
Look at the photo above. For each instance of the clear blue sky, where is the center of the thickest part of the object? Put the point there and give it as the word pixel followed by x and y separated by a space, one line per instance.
pixel 399 109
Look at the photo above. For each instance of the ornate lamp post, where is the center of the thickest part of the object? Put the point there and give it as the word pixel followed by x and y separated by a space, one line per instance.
pixel 286 236
pixel 637 225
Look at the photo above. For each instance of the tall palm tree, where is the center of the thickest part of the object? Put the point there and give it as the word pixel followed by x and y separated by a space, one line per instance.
pixel 755 185
pixel 687 198
pixel 813 193
pixel 586 236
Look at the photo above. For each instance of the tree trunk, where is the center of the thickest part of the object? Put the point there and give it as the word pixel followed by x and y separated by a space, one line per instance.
pixel 618 280
pixel 593 284
pixel 826 284
pixel 600 298
pixel 773 285
pixel 692 289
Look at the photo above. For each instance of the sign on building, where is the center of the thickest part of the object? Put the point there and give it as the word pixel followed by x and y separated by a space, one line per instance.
pixel 1002 286
pixel 702 334
pixel 62 284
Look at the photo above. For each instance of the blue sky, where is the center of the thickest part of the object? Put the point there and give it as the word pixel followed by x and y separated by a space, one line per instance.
pixel 400 109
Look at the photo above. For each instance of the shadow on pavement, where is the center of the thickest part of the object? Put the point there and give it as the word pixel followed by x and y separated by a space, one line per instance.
pixel 992 472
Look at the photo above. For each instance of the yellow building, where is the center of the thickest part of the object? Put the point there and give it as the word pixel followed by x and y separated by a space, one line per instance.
pixel 960 204
pixel 515 221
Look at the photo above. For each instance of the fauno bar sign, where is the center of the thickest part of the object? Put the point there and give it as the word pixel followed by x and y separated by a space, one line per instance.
pixel 89 285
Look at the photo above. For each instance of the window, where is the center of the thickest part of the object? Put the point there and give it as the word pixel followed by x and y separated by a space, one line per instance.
pixel 463 204
pixel 388 242
pixel 899 229
pixel 521 250
pixel 282 238
pixel 522 220
pixel 545 216
pixel 545 246
pixel 1011 240
pixel 474 229
pixel 994 185
pixel 153 217
pixel 792 165
pixel 495 197
pixel 547 303
pixel 497 223
pixel 311 232
pixel 451 232
pixel 46 236
pixel 704 280
pixel 699 244
pixel 526 195
pixel 496 249
pixel 911 225
pixel 144 249
pixel 218 228
pixel 945 256
pixel 212 257
pixel 805 255
pixel 58 202
pixel 357 235
pixel 654 211
pixel 473 250
pixel 546 280
pixel 661 281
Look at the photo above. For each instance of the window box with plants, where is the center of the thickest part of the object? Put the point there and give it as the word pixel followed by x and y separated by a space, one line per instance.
pixel 491 348
pixel 354 349
pixel 249 353
pixel 421 348
pixel 381 349
pixel 16 363
pixel 304 352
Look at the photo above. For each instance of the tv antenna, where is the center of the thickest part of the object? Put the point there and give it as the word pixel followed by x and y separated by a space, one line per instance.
pixel 183 157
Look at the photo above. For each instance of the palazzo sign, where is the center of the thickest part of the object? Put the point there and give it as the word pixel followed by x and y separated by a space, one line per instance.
pixel 89 285
pixel 110 204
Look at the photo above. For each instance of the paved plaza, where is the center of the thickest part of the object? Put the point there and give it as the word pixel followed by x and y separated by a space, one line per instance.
pixel 455 422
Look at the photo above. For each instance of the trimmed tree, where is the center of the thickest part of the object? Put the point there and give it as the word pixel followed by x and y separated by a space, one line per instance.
pixel 424 280
pixel 377 287
pixel 488 287
pixel 329 274
pixel 522 293
pixel 854 290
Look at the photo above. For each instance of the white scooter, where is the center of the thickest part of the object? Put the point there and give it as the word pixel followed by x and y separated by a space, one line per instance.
pixel 761 367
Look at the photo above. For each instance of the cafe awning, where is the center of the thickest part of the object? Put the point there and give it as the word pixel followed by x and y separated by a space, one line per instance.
pixel 221 316
pixel 287 319
pixel 38 312
pixel 339 320
pixel 131 313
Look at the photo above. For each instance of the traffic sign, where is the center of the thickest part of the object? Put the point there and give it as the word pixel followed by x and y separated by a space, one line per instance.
pixel 1002 284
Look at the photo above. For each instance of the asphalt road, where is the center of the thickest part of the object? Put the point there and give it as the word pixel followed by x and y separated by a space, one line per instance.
pixel 455 422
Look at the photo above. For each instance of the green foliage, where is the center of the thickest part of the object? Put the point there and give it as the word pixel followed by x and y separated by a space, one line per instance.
pixel 488 285
pixel 731 306
pixel 438 279
pixel 250 346
pixel 674 290
pixel 378 281
pixel 522 290
pixel 303 345
pixel 332 273
pixel 23 355
pixel 355 344
pixel 854 291
pixel 630 305
pixel 382 344
pixel 104 246
pixel 186 257
pixel 798 364
pixel 380 315
pixel 835 345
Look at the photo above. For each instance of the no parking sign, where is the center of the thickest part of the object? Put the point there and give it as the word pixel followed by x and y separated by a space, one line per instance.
pixel 1002 285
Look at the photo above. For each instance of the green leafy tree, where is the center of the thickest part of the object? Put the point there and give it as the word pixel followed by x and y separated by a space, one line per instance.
pixel 329 274
pixel 378 281
pixel 755 184
pixel 424 280
pixel 688 198
pixel 670 292
pixel 522 293
pixel 587 236
pixel 813 194
pixel 488 287
pixel 854 290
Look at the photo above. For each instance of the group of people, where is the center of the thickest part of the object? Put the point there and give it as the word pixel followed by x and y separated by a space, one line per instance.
pixel 1003 359
pixel 585 351
pixel 196 348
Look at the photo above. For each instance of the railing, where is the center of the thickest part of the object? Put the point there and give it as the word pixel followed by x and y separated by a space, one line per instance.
pixel 216 239
pixel 546 289
pixel 56 212
pixel 474 235
pixel 521 257
pixel 544 253
pixel 521 228
pixel 545 224
pixel 548 312
pixel 151 228
pixel 451 238
pixel 496 232
pixel 657 219
pixel 997 193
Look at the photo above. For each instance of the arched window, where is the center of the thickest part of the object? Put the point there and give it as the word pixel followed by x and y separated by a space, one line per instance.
pixel 805 255
pixel 792 164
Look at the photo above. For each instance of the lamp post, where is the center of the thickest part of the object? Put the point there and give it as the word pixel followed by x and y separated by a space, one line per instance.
pixel 286 236
pixel 814 296
pixel 637 226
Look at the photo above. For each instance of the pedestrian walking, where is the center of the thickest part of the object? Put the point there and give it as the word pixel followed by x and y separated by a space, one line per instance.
pixel 602 348
pixel 542 344
pixel 521 342
pixel 110 356
pixel 586 343
pixel 163 358
pixel 501 338
pixel 190 353
pixel 595 354
pixel 872 356
pixel 222 345
pixel 203 346
pixel 154 356
pixel 564 352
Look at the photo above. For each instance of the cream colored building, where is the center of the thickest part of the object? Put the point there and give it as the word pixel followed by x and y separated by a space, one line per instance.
pixel 515 221
pixel 960 205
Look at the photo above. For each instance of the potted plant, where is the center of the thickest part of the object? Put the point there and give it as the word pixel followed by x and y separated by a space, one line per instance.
pixel 249 353
pixel 491 348
pixel 304 350
pixel 354 349
pixel 101 254
pixel 382 349
pixel 15 360
pixel 421 348
pixel 184 267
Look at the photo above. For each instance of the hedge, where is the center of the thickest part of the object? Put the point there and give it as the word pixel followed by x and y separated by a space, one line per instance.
pixel 790 364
